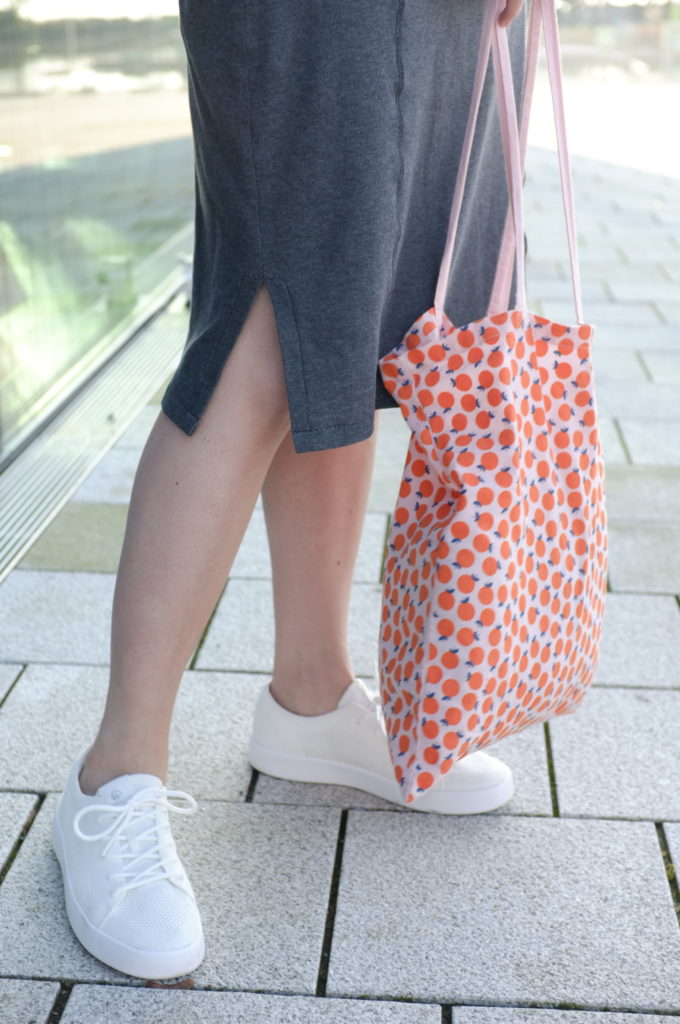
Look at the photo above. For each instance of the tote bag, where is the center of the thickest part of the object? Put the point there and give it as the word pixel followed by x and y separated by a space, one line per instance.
pixel 495 577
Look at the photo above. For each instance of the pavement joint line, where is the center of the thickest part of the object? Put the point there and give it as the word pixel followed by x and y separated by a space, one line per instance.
pixel 207 626
pixel 324 960
pixel 11 687
pixel 671 871
pixel 59 1005
pixel 25 829
pixel 645 369
pixel 383 560
pixel 252 785
pixel 552 778
pixel 622 441
pixel 134 985
pixel 447 1014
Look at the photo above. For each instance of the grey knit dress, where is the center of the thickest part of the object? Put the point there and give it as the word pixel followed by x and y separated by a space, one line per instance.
pixel 327 135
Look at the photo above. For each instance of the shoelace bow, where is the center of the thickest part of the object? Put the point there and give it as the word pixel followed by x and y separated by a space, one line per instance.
pixel 143 805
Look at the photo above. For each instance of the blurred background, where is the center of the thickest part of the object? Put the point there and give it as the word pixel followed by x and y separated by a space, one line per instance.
pixel 96 172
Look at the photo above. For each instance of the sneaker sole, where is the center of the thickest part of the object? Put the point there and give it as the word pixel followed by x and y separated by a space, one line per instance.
pixel 298 768
pixel 126 959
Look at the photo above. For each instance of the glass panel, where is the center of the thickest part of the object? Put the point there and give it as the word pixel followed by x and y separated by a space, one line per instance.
pixel 96 187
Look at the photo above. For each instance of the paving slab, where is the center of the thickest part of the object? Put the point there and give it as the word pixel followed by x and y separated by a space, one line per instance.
pixel 664 366
pixel 253 561
pixel 617 338
pixel 506 910
pixel 85 537
pixel 652 442
pixel 98 1004
pixel 15 809
pixel 613 451
pixel 620 398
pixel 640 641
pixel 670 311
pixel 643 314
pixel 56 616
pixel 54 711
pixel 618 755
pixel 284 855
pixel 27 1002
pixel 508 1015
pixel 136 434
pixel 111 479
pixel 8 673
pixel 644 556
pixel 627 365
pixel 524 753
pixel 393 439
pixel 642 492
pixel 241 633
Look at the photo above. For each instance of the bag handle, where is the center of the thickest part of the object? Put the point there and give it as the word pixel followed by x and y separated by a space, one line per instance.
pixel 514 151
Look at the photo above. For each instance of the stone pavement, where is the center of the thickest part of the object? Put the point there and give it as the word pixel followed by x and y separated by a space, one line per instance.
pixel 320 903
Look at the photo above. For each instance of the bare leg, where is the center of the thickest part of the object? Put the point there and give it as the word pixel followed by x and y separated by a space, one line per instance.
pixel 314 507
pixel 191 502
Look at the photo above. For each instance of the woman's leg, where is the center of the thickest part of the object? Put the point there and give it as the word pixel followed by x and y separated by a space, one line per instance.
pixel 314 507
pixel 191 502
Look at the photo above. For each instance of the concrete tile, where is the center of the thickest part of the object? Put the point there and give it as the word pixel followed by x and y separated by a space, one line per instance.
pixel 253 562
pixel 549 288
pixel 8 673
pixel 56 616
pixel 505 909
pixel 618 755
pixel 613 451
pixel 652 442
pixel 241 634
pixel 525 754
pixel 54 711
pixel 642 492
pixel 640 641
pixel 14 811
pixel 615 338
pixel 230 851
pixel 393 439
pixel 111 480
pixel 136 434
pixel 639 313
pixel 670 311
pixel 84 537
pixel 508 1015
pixel 27 1002
pixel 35 937
pixel 644 557
pixel 645 289
pixel 663 366
pixel 97 1004
pixel 619 398
pixel 626 365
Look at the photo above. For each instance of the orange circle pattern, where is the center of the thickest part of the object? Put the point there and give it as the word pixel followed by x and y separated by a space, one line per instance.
pixel 496 571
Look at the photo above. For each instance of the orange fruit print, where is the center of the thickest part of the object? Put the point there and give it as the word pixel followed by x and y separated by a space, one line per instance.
pixel 496 570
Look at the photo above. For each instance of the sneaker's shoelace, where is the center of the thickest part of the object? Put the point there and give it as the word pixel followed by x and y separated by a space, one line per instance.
pixel 141 807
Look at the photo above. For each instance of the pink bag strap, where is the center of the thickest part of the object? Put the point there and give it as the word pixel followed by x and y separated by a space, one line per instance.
pixel 514 150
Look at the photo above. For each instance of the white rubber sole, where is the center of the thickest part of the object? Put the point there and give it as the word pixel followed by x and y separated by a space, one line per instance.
pixel 299 768
pixel 126 959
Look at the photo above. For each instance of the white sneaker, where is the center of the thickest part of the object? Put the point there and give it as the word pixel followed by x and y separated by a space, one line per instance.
pixel 348 747
pixel 127 896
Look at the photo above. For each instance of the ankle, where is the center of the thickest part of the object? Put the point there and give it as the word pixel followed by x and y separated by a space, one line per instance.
pixel 98 768
pixel 309 696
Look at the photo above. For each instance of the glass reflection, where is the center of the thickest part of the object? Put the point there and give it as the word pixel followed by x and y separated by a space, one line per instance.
pixel 96 183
